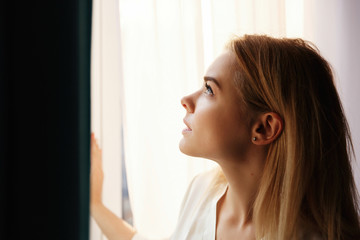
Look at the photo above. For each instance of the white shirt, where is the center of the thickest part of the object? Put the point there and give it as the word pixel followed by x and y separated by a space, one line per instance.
pixel 197 219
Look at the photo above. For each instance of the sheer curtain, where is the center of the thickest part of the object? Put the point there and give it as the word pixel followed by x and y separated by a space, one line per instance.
pixel 106 101
pixel 161 52
pixel 163 59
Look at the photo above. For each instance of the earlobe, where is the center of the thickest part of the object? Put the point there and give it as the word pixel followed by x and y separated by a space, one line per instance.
pixel 267 128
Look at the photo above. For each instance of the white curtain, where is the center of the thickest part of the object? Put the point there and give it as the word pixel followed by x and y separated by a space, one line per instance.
pixel 165 47
pixel 106 101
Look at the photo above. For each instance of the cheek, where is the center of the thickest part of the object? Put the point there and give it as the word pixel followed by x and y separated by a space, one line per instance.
pixel 231 133
pixel 206 123
pixel 213 131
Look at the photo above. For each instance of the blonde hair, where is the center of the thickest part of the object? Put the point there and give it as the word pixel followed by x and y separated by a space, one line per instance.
pixel 307 183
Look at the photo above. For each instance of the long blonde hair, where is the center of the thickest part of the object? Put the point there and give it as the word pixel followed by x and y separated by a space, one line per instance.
pixel 307 183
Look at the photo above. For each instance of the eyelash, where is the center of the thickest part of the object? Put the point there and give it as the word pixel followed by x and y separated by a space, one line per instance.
pixel 207 89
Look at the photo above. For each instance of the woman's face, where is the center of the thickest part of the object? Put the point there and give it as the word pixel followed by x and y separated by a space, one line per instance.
pixel 216 128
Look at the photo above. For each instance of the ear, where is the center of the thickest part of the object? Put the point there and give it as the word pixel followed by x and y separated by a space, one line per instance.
pixel 267 128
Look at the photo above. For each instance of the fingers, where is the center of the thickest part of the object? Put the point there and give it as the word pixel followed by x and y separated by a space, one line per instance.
pixel 96 172
pixel 94 143
pixel 96 152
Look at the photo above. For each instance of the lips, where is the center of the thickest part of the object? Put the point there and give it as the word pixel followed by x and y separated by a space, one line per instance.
pixel 188 129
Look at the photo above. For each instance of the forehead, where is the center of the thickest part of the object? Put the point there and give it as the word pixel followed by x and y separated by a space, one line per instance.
pixel 223 66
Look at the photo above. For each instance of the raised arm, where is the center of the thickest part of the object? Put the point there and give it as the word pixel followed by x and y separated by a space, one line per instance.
pixel 112 226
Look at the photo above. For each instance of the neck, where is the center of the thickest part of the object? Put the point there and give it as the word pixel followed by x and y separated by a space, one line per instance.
pixel 243 177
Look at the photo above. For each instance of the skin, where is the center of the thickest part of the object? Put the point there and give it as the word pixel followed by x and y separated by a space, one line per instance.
pixel 218 128
pixel 111 225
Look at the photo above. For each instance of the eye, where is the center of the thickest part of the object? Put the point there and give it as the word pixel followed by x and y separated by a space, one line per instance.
pixel 208 89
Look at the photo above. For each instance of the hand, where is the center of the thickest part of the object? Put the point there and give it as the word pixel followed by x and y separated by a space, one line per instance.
pixel 112 226
pixel 96 173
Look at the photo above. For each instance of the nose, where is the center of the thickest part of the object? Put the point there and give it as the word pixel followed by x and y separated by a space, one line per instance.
pixel 188 103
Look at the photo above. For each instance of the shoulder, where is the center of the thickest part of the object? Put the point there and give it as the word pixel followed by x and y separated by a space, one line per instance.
pixel 201 188
pixel 206 178
pixel 206 181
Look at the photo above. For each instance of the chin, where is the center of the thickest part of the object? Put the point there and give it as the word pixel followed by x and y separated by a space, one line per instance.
pixel 182 147
pixel 186 149
pixel 189 149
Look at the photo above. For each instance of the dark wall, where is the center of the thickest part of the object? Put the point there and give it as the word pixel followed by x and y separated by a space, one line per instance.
pixel 45 119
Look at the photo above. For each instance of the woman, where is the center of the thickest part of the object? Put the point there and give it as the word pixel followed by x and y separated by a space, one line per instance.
pixel 270 116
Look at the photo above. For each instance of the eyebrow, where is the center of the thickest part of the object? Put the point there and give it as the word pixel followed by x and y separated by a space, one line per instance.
pixel 206 78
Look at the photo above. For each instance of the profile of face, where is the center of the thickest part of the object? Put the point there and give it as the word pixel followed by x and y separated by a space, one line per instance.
pixel 216 126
